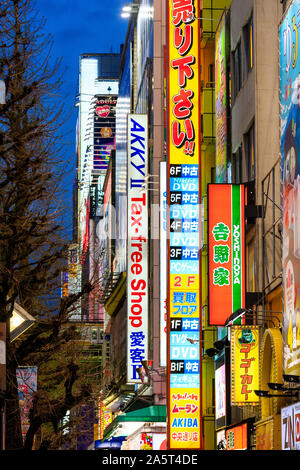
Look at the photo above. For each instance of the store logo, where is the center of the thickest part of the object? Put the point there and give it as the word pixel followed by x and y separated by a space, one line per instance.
pixel 103 111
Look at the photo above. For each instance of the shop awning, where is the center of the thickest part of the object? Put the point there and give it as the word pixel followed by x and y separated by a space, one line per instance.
pixel 155 413
pixel 113 443
pixel 115 293
pixel 149 414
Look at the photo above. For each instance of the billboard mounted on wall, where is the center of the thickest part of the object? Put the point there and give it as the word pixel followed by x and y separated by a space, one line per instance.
pixel 221 101
pixel 290 427
pixel 104 130
pixel 290 171
pixel 163 264
pixel 226 251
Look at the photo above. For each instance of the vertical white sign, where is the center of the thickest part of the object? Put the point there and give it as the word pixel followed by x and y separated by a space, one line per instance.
pixel 74 280
pixel 137 244
pixel 163 264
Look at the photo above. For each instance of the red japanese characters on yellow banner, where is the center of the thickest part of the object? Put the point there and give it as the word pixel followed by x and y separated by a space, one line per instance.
pixel 244 365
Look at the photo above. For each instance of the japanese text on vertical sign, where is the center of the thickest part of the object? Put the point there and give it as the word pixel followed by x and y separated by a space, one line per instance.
pixel 183 13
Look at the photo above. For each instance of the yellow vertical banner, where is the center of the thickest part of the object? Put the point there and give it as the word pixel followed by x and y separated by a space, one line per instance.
pixel 244 365
pixel 183 199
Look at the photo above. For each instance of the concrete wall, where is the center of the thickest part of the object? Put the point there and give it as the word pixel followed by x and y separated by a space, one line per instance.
pixel 243 109
pixel 267 17
pixel 159 35
pixel 258 101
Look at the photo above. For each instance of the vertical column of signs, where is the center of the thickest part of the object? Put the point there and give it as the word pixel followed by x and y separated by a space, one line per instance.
pixel 163 266
pixel 184 192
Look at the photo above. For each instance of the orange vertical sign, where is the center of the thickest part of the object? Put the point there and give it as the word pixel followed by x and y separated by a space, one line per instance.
pixel 226 251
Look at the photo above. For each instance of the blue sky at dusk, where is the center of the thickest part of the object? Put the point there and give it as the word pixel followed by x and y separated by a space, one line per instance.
pixel 78 27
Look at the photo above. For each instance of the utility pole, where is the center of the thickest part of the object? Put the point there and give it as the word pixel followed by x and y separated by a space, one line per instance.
pixel 2 382
pixel 2 337
pixel 2 92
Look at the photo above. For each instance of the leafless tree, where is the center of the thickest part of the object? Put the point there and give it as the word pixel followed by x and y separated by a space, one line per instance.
pixel 32 238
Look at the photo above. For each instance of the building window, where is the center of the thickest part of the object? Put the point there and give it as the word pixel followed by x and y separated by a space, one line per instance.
pixel 250 153
pixel 237 67
pixel 251 267
pixel 211 75
pixel 237 168
pixel 249 45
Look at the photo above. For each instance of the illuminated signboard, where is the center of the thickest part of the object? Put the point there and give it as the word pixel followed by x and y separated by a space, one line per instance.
pixel 27 388
pixel 163 264
pixel 74 279
pixel 221 102
pixel 226 251
pixel 105 418
pixel 71 280
pixel 244 365
pixel 64 284
pixel 146 441
pixel 290 427
pixel 237 437
pixel 290 170
pixel 137 245
pixel 183 198
pixel 220 392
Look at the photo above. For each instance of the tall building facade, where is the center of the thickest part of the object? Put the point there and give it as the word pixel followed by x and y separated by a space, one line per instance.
pixel 189 225
pixel 88 259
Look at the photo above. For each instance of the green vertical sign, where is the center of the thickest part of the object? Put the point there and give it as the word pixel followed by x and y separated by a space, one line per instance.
pixel 237 234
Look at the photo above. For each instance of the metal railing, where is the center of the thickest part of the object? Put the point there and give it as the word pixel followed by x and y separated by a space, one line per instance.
pixel 272 228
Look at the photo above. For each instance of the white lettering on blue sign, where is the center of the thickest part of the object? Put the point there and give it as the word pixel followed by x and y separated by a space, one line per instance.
pixel 137 149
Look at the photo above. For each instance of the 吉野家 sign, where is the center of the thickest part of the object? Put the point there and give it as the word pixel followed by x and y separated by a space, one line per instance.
pixel 137 245
pixel 226 251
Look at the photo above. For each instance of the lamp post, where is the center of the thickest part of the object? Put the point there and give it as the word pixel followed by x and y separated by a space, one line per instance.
pixel 2 382
pixel 2 92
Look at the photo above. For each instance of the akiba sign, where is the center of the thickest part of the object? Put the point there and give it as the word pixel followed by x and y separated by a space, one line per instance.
pixel 137 245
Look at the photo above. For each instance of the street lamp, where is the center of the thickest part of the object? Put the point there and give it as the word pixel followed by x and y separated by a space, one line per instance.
pixel 128 9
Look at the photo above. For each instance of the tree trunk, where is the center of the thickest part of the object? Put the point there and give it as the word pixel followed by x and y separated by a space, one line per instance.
pixel 13 419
